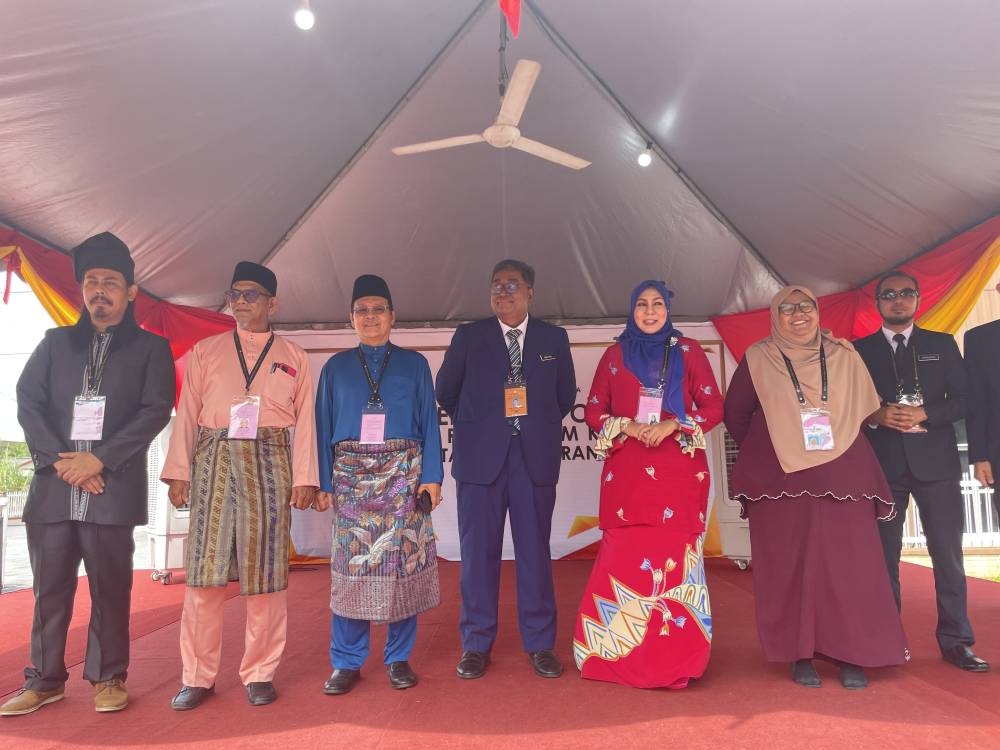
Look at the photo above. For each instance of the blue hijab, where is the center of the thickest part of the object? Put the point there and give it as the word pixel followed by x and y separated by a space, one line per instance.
pixel 643 353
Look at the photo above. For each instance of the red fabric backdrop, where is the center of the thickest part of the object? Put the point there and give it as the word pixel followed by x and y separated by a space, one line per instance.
pixel 852 314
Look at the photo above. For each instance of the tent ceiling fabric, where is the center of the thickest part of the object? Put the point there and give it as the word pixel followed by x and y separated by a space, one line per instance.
pixel 836 138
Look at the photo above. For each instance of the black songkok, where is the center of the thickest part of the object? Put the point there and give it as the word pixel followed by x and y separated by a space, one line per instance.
pixel 103 250
pixel 369 285
pixel 247 271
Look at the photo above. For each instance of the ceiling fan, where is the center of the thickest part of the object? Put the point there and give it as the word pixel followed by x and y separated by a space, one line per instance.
pixel 504 133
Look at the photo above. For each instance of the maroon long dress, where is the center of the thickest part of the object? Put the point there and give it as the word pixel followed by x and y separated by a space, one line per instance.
pixel 820 583
pixel 645 618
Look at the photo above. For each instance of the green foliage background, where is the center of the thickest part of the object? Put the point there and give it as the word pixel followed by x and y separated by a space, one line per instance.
pixel 11 479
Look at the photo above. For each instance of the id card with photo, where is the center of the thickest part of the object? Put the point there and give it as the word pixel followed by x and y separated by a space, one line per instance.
pixel 372 426
pixel 515 399
pixel 88 418
pixel 650 405
pixel 244 416
pixel 817 432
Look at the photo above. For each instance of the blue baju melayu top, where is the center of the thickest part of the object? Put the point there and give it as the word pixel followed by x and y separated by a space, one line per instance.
pixel 407 392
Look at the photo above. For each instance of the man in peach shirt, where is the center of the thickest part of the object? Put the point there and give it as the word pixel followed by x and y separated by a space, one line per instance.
pixel 243 450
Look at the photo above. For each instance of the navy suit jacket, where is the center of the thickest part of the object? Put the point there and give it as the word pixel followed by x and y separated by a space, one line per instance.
pixel 931 455
pixel 982 362
pixel 470 385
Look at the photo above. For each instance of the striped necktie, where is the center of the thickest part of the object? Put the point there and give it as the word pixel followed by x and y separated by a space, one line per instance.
pixel 514 354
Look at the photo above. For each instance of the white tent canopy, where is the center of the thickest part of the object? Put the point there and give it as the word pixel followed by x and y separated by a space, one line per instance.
pixel 820 142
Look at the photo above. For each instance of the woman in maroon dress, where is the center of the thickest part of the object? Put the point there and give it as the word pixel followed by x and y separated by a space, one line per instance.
pixel 812 489
pixel 645 618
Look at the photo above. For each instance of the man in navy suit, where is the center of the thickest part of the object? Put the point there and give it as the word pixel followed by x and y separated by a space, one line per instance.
pixel 507 382
pixel 982 362
pixel 920 378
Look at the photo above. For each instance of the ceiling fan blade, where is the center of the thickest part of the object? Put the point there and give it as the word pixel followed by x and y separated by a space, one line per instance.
pixel 418 148
pixel 552 154
pixel 518 90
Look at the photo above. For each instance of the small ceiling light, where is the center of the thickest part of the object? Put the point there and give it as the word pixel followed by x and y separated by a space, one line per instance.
pixel 304 17
pixel 646 157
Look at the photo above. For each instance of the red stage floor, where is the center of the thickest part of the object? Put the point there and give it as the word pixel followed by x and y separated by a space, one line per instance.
pixel 742 702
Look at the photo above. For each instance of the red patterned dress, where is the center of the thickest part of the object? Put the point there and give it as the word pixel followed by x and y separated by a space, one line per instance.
pixel 645 619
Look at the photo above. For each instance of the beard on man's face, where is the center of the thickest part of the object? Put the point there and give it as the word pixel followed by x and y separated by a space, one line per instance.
pixel 898 320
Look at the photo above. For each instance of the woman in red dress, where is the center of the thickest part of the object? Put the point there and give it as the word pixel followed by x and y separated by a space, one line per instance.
pixel 645 619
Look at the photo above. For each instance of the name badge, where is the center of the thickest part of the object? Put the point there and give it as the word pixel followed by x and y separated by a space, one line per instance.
pixel 515 399
pixel 650 405
pixel 816 429
pixel 912 399
pixel 244 414
pixel 372 425
pixel 88 418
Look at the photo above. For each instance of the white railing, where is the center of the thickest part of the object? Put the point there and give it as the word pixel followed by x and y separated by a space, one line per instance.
pixel 15 503
pixel 982 528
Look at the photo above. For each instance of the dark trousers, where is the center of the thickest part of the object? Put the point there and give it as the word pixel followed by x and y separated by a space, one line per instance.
pixel 942 517
pixel 55 551
pixel 482 509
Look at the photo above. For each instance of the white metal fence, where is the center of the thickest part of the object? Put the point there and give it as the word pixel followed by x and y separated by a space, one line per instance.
pixel 982 528
pixel 15 503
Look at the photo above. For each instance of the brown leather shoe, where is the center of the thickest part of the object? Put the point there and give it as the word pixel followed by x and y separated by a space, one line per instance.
pixel 190 697
pixel 341 681
pixel 110 696
pixel 546 663
pixel 28 701
pixel 473 664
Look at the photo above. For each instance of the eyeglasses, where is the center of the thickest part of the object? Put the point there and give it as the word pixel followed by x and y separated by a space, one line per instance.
pixel 789 308
pixel 363 312
pixel 889 295
pixel 510 287
pixel 250 295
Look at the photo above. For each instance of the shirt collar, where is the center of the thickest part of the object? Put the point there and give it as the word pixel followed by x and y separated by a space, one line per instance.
pixel 907 332
pixel 253 337
pixel 522 327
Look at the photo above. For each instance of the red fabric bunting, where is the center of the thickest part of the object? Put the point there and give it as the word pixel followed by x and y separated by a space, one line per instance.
pixel 511 10
pixel 852 314
pixel 181 325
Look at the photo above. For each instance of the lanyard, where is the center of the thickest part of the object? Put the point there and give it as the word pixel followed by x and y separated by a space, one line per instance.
pixel 375 385
pixel 795 380
pixel 895 371
pixel 666 361
pixel 249 375
pixel 100 347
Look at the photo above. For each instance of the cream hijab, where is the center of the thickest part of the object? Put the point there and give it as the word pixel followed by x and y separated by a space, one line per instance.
pixel 852 396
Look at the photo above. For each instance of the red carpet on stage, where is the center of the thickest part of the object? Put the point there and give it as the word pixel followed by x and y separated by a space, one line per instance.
pixel 742 702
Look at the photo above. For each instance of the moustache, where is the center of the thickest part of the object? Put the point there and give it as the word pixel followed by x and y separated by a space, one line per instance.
pixel 100 298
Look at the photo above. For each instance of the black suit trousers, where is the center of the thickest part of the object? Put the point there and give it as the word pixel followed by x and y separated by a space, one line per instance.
pixel 942 516
pixel 55 551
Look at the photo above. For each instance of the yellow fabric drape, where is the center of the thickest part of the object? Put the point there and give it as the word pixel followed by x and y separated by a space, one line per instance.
pixel 61 311
pixel 952 309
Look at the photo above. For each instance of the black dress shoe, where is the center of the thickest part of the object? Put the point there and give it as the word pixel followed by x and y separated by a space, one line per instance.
pixel 852 676
pixel 546 663
pixel 401 675
pixel 190 697
pixel 963 658
pixel 804 674
pixel 472 664
pixel 341 681
pixel 261 693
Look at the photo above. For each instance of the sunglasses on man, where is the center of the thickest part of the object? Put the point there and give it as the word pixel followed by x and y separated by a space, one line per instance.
pixel 888 295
